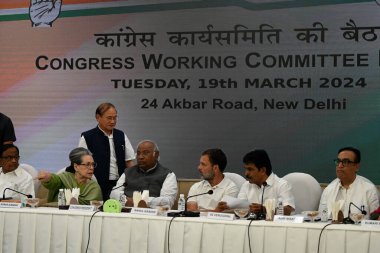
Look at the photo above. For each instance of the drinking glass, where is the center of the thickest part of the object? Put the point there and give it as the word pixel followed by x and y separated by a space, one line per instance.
pixel 311 214
pixel 356 217
pixel 96 203
pixel 241 212
pixel 33 202
pixel 163 207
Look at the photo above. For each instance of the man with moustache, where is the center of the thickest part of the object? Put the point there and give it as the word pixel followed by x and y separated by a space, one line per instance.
pixel 348 186
pixel 12 175
pixel 263 184
pixel 211 166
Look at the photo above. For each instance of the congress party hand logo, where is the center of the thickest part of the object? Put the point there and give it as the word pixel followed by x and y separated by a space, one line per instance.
pixel 43 13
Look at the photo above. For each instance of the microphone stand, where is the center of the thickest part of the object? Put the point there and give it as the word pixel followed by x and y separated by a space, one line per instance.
pixel 190 213
pixel 348 219
pixel 4 198
pixel 261 215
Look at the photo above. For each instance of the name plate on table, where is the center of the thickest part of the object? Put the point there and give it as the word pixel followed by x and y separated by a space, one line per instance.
pixel 371 223
pixel 288 219
pixel 220 216
pixel 144 211
pixel 86 208
pixel 10 205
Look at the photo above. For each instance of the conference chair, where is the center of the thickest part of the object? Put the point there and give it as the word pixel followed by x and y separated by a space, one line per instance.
pixel 306 191
pixel 236 178
pixel 33 172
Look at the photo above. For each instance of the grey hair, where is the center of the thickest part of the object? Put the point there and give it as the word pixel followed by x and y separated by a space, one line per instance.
pixel 155 149
pixel 76 155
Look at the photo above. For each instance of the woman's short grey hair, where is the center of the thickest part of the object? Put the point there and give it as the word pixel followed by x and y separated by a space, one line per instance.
pixel 76 155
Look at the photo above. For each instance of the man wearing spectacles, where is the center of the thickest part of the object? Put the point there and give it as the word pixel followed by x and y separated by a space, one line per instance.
pixel 12 175
pixel 111 148
pixel 348 186
pixel 150 175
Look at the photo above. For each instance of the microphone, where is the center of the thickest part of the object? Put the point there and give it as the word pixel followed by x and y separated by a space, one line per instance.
pixel 193 214
pixel 124 184
pixel 348 219
pixel 4 198
pixel 261 215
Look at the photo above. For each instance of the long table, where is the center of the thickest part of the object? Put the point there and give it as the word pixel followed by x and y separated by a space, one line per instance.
pixel 57 231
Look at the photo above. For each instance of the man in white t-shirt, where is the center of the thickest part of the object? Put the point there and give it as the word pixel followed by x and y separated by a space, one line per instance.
pixel 211 166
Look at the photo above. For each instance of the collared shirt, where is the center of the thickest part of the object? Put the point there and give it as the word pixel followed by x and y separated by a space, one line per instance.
pixel 19 180
pixel 129 153
pixel 361 192
pixel 276 188
pixel 210 201
pixel 168 191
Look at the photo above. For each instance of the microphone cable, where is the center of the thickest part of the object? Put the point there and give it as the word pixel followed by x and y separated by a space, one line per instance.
pixel 89 229
pixel 320 234
pixel 249 237
pixel 170 223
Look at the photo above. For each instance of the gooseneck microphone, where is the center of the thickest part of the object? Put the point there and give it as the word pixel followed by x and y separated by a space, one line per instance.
pixel 123 185
pixel 261 215
pixel 4 198
pixel 193 214
pixel 348 219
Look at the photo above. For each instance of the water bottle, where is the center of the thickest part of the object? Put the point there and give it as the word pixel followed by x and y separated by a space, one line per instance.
pixel 61 199
pixel 280 208
pixel 181 203
pixel 325 213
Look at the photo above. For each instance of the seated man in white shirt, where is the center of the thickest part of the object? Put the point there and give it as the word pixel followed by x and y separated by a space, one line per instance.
pixel 12 176
pixel 211 166
pixel 263 184
pixel 350 187
pixel 150 175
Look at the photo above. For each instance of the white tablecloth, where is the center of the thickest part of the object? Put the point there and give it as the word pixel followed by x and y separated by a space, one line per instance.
pixel 52 230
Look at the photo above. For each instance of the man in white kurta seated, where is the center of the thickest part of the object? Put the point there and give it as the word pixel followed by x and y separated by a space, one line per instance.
pixel 12 175
pixel 350 187
pixel 211 166
pixel 263 184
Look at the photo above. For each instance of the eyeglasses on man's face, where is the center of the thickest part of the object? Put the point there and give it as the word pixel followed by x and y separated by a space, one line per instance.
pixel 10 158
pixel 345 162
pixel 89 165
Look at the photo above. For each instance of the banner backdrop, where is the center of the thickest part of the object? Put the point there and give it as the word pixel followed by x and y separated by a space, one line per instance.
pixel 299 79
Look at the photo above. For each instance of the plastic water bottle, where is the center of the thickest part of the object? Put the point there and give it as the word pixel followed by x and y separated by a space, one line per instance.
pixel 181 203
pixel 280 208
pixel 325 213
pixel 61 199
